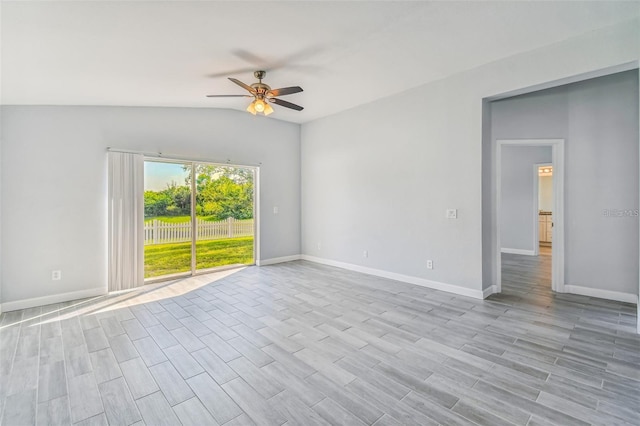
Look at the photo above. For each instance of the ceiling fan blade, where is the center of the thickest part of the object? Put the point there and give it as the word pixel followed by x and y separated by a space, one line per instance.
pixel 229 96
pixel 286 104
pixel 284 91
pixel 241 84
pixel 230 72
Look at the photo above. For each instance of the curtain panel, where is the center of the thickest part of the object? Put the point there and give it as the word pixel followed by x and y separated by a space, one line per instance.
pixel 126 220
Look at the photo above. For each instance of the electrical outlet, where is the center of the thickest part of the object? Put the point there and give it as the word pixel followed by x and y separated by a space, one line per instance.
pixel 319 246
pixel 429 264
pixel 365 253
pixel 56 275
pixel 452 213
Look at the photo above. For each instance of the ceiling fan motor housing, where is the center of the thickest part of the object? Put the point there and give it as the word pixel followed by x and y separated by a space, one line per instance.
pixel 261 89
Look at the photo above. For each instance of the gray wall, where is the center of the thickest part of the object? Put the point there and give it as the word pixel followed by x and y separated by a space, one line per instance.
pixel 1 137
pixel 598 119
pixel 380 178
pixel 54 182
pixel 518 214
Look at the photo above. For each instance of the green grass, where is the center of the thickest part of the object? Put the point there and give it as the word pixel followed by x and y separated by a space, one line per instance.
pixel 165 259
pixel 170 219
pixel 178 219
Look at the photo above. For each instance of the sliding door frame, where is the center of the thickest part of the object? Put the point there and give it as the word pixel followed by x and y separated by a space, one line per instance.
pixel 256 219
pixel 194 220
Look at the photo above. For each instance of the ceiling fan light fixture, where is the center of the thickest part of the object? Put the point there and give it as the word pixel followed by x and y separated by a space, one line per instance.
pixel 263 95
pixel 259 105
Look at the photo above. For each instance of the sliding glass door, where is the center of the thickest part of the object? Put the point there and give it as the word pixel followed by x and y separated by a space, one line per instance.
pixel 224 216
pixel 198 217
pixel 167 219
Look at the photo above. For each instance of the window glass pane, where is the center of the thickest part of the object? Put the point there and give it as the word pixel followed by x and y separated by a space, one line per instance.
pixel 167 217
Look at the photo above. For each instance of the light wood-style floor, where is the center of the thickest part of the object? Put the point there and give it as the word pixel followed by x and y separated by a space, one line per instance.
pixel 301 343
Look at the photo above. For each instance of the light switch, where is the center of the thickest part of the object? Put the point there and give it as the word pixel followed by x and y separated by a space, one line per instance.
pixel 275 210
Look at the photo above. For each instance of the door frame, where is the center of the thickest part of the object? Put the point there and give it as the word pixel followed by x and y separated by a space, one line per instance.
pixel 557 248
pixel 256 213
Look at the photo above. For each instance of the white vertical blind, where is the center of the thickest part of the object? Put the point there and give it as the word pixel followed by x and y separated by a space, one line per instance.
pixel 126 220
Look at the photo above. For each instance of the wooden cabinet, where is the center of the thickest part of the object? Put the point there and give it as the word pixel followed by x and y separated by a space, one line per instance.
pixel 545 228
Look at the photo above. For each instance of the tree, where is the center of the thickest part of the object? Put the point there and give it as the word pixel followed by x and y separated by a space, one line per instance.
pixel 156 203
pixel 221 192
pixel 180 200
pixel 222 198
pixel 208 172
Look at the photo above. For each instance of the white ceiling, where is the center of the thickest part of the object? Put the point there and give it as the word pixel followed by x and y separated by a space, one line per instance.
pixel 344 54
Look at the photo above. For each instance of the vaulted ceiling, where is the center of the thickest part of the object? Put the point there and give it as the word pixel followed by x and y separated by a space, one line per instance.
pixel 343 53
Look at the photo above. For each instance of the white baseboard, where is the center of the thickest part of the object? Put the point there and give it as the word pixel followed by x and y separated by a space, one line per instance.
pixel 601 294
pixel 489 291
pixel 450 288
pixel 274 260
pixel 585 291
pixel 54 298
pixel 518 251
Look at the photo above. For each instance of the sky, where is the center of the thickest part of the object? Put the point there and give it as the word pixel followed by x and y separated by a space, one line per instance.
pixel 158 175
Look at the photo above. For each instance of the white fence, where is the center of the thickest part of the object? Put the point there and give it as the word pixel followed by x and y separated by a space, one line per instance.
pixel 159 232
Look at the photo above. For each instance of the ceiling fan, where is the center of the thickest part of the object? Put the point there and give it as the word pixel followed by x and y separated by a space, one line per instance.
pixel 263 95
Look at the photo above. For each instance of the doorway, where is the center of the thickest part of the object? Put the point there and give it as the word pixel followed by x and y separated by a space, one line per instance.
pixel 198 217
pixel 543 176
pixel 503 217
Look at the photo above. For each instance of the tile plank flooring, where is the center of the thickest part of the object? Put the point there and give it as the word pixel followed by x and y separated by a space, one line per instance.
pixel 305 344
